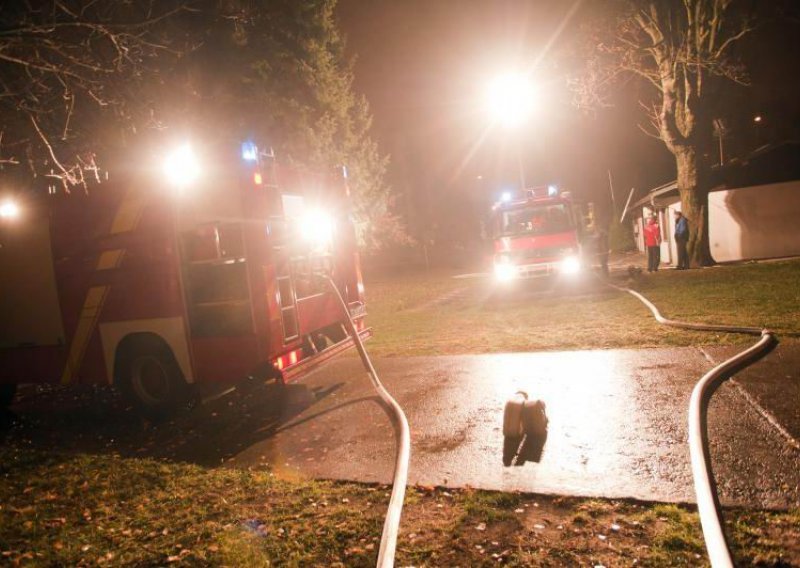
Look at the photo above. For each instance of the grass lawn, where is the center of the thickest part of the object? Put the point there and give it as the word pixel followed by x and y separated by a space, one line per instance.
pixel 408 319
pixel 108 510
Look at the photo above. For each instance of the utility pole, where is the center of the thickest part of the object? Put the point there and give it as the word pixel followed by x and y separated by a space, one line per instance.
pixel 611 189
pixel 627 203
pixel 720 131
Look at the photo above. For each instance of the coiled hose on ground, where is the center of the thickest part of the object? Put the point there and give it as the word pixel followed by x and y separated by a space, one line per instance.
pixel 391 524
pixel 705 488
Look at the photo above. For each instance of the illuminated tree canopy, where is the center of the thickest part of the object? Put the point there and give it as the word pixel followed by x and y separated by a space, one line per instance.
pixel 84 83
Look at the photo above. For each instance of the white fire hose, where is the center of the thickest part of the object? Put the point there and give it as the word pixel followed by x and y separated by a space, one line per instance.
pixel 391 524
pixel 705 488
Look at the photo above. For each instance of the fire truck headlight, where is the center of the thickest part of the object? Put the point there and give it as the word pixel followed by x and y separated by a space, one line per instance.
pixel 504 270
pixel 182 167
pixel 9 210
pixel 571 265
pixel 316 228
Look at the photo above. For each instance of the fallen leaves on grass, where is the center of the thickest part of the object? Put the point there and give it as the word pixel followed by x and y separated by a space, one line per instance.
pixel 146 512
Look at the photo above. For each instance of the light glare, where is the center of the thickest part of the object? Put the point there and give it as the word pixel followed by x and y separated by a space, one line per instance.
pixel 9 210
pixel 316 228
pixel 571 265
pixel 504 270
pixel 249 152
pixel 510 99
pixel 181 167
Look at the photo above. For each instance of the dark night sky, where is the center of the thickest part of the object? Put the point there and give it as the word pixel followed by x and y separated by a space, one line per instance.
pixel 423 65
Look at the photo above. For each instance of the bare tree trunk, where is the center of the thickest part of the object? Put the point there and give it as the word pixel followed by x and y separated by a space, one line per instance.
pixel 693 189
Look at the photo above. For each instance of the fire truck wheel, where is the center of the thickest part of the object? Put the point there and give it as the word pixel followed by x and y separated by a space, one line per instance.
pixel 151 380
pixel 7 393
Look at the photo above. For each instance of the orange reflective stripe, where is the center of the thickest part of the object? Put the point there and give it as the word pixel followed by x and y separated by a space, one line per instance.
pixel 110 259
pixel 128 214
pixel 87 321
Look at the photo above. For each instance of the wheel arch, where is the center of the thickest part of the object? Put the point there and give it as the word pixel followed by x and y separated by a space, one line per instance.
pixel 136 342
pixel 167 333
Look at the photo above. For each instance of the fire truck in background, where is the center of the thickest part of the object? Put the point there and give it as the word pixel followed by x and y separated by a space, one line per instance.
pixel 542 232
pixel 155 287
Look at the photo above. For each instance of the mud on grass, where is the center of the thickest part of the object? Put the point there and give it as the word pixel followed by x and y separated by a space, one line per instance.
pixel 107 510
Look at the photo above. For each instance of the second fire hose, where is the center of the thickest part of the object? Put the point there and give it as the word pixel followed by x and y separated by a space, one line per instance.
pixel 708 505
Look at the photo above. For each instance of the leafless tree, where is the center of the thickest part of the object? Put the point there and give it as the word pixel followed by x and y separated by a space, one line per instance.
pixel 684 50
pixel 71 71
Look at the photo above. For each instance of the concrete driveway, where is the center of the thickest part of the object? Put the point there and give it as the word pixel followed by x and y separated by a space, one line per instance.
pixel 617 424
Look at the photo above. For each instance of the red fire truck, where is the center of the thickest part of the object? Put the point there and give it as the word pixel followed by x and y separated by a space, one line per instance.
pixel 541 232
pixel 161 282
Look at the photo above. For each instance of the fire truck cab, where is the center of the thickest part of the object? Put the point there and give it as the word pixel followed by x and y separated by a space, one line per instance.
pixel 541 232
pixel 155 287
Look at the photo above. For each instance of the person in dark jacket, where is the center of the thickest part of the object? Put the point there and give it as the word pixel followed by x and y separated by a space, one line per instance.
pixel 681 239
pixel 603 249
pixel 652 240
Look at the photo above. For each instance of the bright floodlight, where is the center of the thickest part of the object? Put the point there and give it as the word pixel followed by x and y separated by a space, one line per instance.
pixel 510 99
pixel 505 197
pixel 181 166
pixel 316 228
pixel 9 210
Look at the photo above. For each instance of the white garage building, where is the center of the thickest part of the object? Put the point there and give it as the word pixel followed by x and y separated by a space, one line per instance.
pixel 754 208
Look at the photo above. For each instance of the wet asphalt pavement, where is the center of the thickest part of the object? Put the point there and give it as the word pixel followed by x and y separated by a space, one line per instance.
pixel 617 424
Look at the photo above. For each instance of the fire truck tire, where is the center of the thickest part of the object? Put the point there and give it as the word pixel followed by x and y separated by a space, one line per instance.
pixel 7 393
pixel 149 377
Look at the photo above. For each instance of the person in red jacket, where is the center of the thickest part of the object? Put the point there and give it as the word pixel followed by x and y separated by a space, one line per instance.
pixel 652 240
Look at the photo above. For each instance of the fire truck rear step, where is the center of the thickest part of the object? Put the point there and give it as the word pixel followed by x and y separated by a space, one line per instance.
pixel 323 357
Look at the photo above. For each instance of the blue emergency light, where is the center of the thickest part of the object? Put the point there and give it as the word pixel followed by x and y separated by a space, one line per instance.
pixel 249 151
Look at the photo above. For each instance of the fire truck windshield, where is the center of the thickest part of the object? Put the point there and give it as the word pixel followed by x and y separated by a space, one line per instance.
pixel 534 220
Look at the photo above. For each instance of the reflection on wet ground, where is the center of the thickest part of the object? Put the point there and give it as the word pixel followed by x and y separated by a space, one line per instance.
pixel 517 450
pixel 617 427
